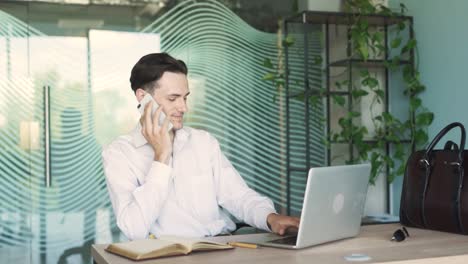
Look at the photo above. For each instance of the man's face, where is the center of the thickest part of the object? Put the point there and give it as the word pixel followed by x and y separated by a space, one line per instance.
pixel 171 93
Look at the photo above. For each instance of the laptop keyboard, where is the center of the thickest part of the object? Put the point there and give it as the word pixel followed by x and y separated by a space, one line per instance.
pixel 285 241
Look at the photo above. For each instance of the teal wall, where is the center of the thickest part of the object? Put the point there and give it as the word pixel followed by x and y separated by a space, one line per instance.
pixel 442 35
pixel 440 29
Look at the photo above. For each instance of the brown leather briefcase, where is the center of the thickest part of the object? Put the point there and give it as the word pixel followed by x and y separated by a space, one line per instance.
pixel 435 190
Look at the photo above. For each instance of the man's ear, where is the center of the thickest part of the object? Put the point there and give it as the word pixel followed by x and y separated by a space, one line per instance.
pixel 139 94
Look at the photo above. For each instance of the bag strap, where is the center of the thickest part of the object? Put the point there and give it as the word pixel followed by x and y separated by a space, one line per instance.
pixel 442 133
pixel 458 200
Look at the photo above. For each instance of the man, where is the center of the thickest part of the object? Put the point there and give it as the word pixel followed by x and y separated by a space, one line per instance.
pixel 173 182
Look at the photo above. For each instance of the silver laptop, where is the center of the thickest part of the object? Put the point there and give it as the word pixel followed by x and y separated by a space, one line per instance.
pixel 333 206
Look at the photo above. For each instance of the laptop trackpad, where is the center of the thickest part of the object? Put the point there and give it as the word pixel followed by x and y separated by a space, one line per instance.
pixel 256 238
pixel 291 240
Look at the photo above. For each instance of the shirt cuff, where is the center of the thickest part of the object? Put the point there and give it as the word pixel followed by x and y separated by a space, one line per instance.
pixel 262 215
pixel 159 173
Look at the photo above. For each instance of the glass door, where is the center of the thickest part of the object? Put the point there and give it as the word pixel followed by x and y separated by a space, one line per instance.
pixel 61 99
pixel 72 189
pixel 18 144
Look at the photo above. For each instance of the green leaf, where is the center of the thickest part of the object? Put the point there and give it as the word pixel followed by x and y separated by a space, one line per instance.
pixel 378 37
pixel 359 93
pixel 380 47
pixel 318 60
pixel 315 99
pixel 380 93
pixel 353 114
pixel 390 177
pixel 387 64
pixel 364 73
pixel 412 43
pixel 335 137
pixel 269 77
pixel 408 72
pixel 365 82
pixel 345 82
pixel 409 46
pixel 389 161
pixel 288 41
pixel 363 155
pixel 300 96
pixel 401 25
pixel 424 119
pixel 420 137
pixel 280 82
pixel 338 99
pixel 396 43
pixel 322 91
pixel 385 10
pixel 415 103
pixel 364 51
pixel 407 125
pixel 419 88
pixel 399 152
pixel 343 122
pixel 403 8
pixel 372 82
pixel 363 24
pixel 376 163
pixel 387 116
pixel 338 85
pixel 267 63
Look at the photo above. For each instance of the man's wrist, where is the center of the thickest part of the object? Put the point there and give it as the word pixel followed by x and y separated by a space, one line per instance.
pixel 163 158
pixel 270 218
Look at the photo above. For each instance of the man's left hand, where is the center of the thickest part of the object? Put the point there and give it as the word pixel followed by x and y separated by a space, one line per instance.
pixel 282 224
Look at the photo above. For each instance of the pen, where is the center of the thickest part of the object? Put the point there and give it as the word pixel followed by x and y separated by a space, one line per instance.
pixel 242 245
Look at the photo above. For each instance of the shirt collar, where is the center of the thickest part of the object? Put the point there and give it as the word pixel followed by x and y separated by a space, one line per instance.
pixel 181 137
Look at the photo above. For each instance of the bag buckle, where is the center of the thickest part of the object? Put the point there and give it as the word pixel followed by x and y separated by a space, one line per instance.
pixel 425 162
pixel 457 166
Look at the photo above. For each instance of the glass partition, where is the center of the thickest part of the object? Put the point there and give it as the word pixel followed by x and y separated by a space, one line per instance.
pixel 90 102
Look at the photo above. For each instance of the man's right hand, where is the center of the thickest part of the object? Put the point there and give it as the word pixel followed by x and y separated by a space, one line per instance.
pixel 282 224
pixel 157 136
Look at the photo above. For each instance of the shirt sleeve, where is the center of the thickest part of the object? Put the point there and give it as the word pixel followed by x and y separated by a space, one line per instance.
pixel 136 207
pixel 234 195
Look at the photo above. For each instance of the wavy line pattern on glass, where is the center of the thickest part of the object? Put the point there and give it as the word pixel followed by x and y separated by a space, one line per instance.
pixel 78 184
pixel 237 107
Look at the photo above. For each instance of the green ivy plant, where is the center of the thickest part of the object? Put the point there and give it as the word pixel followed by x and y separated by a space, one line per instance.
pixel 388 128
pixel 366 44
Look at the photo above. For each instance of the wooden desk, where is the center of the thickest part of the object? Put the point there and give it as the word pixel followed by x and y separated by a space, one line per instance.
pixel 424 246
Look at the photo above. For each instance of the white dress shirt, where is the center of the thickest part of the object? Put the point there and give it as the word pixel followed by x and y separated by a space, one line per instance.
pixel 183 199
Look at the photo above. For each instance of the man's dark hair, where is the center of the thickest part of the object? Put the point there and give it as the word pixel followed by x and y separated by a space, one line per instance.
pixel 150 68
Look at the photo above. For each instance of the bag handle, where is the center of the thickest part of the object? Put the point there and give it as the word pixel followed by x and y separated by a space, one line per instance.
pixel 442 133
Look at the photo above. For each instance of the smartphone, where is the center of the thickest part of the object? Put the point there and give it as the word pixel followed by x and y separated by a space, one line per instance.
pixel 148 98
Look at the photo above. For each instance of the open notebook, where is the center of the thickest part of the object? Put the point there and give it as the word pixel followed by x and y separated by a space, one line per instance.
pixel 162 247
